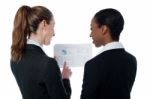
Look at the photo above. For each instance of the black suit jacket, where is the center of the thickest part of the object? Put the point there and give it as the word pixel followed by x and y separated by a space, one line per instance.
pixel 39 76
pixel 110 75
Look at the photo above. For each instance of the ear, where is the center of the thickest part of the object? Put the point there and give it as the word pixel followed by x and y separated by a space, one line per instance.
pixel 44 22
pixel 104 29
pixel 41 25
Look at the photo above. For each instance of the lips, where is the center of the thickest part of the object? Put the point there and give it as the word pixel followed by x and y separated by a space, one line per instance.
pixel 93 41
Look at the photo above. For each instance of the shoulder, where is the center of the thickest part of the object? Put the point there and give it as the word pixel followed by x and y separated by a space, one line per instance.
pixel 49 60
pixel 101 60
pixel 94 62
pixel 97 59
pixel 131 57
pixel 51 63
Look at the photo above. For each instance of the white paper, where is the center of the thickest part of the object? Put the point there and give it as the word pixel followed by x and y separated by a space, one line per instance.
pixel 74 54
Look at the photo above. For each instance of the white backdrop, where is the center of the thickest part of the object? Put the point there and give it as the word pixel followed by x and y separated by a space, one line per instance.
pixel 73 26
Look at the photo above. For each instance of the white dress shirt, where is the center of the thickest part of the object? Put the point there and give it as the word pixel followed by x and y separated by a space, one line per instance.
pixel 29 41
pixel 112 45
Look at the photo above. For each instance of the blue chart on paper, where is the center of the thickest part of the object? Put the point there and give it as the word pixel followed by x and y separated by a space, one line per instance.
pixel 74 54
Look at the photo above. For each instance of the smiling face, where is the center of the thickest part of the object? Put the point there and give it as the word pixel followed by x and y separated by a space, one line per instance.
pixel 96 34
pixel 49 32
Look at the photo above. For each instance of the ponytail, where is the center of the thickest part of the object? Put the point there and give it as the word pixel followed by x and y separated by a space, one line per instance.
pixel 20 32
pixel 26 21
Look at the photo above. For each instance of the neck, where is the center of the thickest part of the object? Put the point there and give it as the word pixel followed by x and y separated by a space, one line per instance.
pixel 106 41
pixel 36 38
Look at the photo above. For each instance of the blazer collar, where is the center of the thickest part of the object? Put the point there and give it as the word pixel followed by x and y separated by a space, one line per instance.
pixel 34 47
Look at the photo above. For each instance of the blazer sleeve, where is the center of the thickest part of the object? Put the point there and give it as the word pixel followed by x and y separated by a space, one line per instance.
pixel 57 87
pixel 91 81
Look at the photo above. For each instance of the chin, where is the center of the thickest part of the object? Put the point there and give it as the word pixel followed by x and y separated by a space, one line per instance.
pixel 47 43
pixel 97 45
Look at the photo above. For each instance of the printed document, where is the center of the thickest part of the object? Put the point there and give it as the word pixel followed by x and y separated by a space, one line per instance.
pixel 74 54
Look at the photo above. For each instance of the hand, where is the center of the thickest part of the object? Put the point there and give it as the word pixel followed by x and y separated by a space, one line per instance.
pixel 66 72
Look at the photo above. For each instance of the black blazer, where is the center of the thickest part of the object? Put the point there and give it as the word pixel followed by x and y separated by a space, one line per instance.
pixel 110 75
pixel 39 77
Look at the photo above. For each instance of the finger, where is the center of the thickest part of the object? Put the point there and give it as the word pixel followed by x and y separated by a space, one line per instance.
pixel 65 63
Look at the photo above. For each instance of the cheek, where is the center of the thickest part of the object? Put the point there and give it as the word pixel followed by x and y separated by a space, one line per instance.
pixel 93 34
pixel 47 39
pixel 51 31
pixel 48 33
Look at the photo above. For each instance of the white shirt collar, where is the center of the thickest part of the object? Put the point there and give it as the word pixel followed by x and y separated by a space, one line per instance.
pixel 29 41
pixel 112 45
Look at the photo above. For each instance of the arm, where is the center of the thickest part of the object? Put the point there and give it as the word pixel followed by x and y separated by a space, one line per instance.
pixel 91 82
pixel 57 87
pixel 66 73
